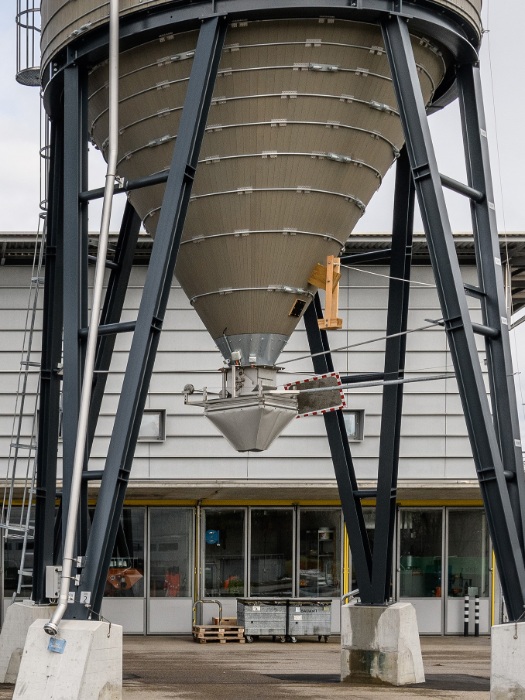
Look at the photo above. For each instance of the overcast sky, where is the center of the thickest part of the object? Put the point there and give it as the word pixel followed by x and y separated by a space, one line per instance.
pixel 502 69
pixel 503 77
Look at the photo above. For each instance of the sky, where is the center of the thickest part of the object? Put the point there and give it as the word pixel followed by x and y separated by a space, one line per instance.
pixel 503 78
pixel 502 73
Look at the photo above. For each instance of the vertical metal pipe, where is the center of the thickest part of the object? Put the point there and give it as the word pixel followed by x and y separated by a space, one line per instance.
pixel 51 627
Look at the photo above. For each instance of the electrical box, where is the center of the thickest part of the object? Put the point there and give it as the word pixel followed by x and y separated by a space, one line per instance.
pixel 53 574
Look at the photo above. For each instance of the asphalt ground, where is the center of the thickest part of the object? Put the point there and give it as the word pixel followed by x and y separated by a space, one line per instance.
pixel 178 667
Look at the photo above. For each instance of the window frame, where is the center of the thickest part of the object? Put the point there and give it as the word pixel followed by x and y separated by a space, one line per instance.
pixel 360 423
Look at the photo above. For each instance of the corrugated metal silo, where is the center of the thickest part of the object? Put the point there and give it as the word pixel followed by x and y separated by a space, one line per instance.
pixel 302 127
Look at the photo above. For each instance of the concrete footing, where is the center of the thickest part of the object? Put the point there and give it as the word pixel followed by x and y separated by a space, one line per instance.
pixel 380 645
pixel 19 617
pixel 84 661
pixel 507 666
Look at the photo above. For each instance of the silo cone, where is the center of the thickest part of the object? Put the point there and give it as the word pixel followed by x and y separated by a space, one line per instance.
pixel 302 127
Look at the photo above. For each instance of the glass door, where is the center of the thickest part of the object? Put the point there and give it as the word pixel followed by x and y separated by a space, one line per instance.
pixel 124 592
pixel 223 551
pixel 468 556
pixel 320 553
pixel 171 546
pixel 420 565
pixel 271 552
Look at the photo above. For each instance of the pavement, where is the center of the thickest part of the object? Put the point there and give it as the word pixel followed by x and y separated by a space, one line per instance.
pixel 156 668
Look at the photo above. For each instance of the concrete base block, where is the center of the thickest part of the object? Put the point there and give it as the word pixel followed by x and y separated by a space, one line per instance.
pixel 507 666
pixel 380 645
pixel 89 667
pixel 19 617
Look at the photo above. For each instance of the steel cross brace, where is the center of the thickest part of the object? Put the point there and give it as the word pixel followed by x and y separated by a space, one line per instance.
pixel 505 532
pixel 150 317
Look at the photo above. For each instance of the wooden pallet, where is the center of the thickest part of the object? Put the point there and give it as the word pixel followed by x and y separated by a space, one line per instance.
pixel 218 633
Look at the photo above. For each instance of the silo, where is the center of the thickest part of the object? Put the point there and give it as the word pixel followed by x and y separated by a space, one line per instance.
pixel 302 107
pixel 302 127
pixel 277 121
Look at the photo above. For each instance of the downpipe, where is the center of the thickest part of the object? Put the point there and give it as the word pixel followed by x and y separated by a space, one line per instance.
pixel 52 626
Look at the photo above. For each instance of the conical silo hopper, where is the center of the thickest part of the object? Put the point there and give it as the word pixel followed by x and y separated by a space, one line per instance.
pixel 302 127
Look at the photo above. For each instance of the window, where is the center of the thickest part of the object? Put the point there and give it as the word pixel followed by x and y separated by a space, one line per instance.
pixel 354 422
pixel 153 426
pixel 420 545
pixel 320 553
pixel 271 562
pixel 125 578
pixel 224 553
pixel 468 553
pixel 171 552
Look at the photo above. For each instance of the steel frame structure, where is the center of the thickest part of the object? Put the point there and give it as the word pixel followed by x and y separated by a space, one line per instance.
pixel 494 437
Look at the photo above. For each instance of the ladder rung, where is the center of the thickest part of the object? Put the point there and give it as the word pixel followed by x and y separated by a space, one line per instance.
pixel 25 572
pixel 23 446
pixel 13 534
pixel 26 363
pixel 40 280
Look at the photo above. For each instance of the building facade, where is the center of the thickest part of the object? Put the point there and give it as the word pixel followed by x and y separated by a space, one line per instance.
pixel 202 521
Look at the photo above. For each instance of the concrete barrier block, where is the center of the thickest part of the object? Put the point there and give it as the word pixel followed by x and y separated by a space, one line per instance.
pixel 380 644
pixel 507 666
pixel 19 617
pixel 88 667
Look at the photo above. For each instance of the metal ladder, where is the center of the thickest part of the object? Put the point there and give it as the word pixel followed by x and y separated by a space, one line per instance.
pixel 20 478
pixel 19 485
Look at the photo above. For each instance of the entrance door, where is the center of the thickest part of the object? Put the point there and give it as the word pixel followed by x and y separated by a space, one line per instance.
pixel 468 555
pixel 420 565
pixel 124 601
pixel 171 566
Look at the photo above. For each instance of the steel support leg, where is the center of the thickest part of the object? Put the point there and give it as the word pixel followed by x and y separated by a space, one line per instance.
pixel 458 325
pixel 396 326
pixel 342 460
pixel 151 315
pixel 45 552
pixel 499 360
pixel 75 273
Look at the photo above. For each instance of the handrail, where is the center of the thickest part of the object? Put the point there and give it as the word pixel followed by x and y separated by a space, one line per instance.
pixel 202 601
pixel 351 594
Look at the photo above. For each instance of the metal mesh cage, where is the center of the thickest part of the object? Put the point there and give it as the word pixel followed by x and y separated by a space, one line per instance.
pixel 28 42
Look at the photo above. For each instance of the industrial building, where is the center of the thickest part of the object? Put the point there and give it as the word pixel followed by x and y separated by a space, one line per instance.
pixel 202 520
pixel 174 443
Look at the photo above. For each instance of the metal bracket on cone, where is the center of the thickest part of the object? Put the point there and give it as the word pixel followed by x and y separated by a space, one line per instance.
pixel 327 278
